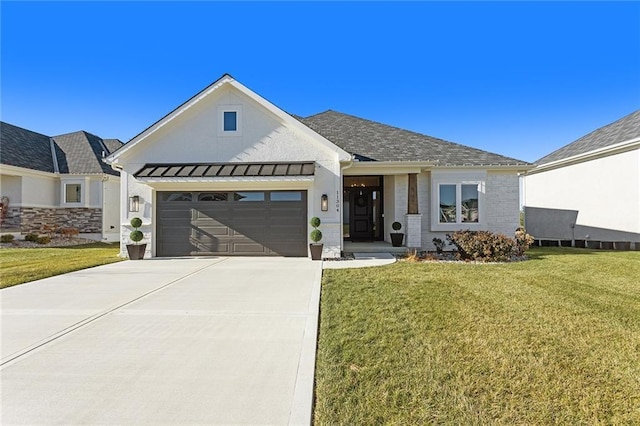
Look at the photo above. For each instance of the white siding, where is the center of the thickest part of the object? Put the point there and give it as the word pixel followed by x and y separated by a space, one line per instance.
pixel 605 191
pixel 194 137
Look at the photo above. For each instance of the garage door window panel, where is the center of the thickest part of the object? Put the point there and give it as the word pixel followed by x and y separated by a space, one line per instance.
pixel 248 196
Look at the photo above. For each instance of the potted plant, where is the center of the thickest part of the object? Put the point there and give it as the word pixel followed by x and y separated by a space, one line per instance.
pixel 396 237
pixel 135 250
pixel 316 235
pixel 439 243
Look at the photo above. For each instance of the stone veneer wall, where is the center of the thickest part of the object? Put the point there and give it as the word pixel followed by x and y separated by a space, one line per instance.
pixel 33 219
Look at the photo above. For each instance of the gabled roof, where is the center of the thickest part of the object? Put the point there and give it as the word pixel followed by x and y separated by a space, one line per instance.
pixel 23 148
pixel 75 153
pixel 227 80
pixel 372 141
pixel 623 130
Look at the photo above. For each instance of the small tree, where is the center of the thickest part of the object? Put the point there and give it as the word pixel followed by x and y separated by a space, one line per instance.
pixel 316 234
pixel 136 235
pixel 397 226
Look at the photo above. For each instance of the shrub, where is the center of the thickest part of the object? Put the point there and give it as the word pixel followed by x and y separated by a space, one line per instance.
pixel 7 238
pixel 69 232
pixel 316 234
pixel 396 226
pixel 136 235
pixel 44 239
pixel 523 241
pixel 439 245
pixel 31 237
pixel 482 246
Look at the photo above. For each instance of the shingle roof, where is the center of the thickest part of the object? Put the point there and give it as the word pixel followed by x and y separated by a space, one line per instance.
pixel 76 153
pixel 23 148
pixel 625 129
pixel 373 141
pixel 81 153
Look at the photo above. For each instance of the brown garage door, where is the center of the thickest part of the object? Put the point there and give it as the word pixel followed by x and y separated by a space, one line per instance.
pixel 243 223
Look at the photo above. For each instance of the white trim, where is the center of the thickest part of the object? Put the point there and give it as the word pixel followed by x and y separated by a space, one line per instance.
pixel 239 120
pixel 9 170
pixel 112 159
pixel 458 178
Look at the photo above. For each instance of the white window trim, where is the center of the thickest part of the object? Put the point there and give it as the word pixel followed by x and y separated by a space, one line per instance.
pixel 84 192
pixel 458 179
pixel 230 108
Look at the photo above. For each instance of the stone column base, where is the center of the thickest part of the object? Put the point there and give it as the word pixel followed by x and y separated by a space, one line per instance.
pixel 413 237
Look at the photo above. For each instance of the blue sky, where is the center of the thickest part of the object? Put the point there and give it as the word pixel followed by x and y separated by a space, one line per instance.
pixel 519 79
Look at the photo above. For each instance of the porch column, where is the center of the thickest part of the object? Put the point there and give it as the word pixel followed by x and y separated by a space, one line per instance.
pixel 414 218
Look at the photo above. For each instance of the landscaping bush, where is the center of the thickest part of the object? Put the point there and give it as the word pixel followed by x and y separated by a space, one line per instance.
pixel 69 232
pixel 45 239
pixel 31 237
pixel 7 238
pixel 482 246
pixel 523 241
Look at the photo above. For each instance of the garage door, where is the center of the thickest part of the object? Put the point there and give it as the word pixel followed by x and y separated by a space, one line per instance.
pixel 247 223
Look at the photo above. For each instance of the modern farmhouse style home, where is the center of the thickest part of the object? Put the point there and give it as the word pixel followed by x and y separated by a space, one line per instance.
pixel 229 173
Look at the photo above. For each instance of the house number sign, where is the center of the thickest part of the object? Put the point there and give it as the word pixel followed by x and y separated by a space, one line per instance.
pixel 338 201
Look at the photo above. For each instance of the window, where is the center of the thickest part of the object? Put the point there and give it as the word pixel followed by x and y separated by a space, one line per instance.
pixel 248 196
pixel 286 196
pixel 230 121
pixel 212 196
pixel 459 210
pixel 72 193
pixel 457 201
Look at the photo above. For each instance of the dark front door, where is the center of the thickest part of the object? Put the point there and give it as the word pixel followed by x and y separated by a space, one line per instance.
pixel 361 215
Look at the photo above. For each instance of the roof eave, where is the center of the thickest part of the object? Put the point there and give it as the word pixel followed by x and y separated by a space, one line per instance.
pixel 618 148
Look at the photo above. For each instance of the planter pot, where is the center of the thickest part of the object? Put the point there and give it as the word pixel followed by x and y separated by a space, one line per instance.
pixel 136 251
pixel 396 239
pixel 316 251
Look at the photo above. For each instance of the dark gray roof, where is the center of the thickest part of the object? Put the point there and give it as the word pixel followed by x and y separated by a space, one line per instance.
pixel 76 153
pixel 200 170
pixel 625 129
pixel 23 148
pixel 373 141
pixel 81 153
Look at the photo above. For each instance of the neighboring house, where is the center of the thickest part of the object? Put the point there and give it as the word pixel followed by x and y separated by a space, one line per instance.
pixel 589 191
pixel 58 182
pixel 229 173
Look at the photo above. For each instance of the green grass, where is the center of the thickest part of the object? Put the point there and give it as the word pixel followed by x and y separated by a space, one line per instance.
pixel 22 265
pixel 554 340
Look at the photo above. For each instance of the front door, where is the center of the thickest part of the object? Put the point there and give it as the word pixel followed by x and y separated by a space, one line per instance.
pixel 362 210
pixel 361 223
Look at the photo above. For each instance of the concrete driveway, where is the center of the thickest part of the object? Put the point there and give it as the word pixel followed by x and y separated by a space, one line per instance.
pixel 163 341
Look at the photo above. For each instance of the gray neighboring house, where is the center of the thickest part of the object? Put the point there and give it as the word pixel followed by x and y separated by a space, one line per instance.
pixel 229 173
pixel 58 181
pixel 587 193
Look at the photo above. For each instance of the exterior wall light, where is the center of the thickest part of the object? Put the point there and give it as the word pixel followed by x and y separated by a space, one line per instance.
pixel 134 203
pixel 324 203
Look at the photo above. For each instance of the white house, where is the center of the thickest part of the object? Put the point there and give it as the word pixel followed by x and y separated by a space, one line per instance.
pixel 229 173
pixel 588 192
pixel 58 182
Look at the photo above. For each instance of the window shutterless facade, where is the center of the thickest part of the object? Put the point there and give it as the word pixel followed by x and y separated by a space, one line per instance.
pixel 230 120
pixel 458 201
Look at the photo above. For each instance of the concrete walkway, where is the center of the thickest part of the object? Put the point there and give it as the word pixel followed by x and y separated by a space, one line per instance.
pixel 361 260
pixel 163 341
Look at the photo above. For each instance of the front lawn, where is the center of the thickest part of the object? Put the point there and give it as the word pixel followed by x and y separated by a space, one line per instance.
pixel 554 340
pixel 20 265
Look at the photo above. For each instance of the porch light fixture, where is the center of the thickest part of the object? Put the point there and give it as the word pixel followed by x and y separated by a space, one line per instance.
pixel 134 203
pixel 324 203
